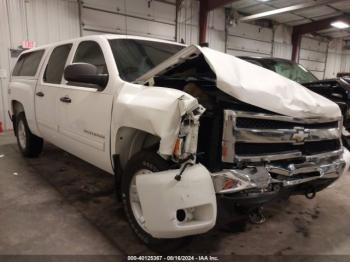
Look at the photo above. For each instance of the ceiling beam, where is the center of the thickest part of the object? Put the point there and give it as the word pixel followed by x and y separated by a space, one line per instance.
pixel 287 9
pixel 319 25
pixel 312 27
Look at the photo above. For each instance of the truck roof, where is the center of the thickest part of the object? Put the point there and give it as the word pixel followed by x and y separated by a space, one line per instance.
pixel 103 36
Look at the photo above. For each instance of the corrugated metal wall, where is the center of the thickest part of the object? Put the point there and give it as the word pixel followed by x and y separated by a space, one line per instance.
pixel 345 63
pixel 42 21
pixel 5 43
pixel 188 18
pixel 334 58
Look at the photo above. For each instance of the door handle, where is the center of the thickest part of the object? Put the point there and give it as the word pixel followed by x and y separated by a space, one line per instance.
pixel 65 99
pixel 41 94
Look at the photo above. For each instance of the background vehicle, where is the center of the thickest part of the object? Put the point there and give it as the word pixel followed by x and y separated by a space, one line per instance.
pixel 337 90
pixel 189 144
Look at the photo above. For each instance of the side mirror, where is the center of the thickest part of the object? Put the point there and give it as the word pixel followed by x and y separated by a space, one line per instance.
pixel 85 73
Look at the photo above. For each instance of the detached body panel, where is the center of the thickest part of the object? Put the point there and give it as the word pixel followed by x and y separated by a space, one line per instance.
pixel 166 201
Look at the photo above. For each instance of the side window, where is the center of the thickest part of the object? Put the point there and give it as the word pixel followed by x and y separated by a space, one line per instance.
pixel 90 52
pixel 27 64
pixel 55 66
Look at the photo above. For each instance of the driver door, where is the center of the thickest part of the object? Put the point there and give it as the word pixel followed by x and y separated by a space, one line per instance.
pixel 84 112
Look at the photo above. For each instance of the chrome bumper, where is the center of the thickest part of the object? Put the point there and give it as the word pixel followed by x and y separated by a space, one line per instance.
pixel 264 177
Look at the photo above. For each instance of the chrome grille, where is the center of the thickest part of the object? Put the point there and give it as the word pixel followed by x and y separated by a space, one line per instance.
pixel 246 122
pixel 308 148
pixel 256 137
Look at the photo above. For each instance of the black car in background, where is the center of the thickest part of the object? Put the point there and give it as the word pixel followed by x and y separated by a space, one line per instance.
pixel 337 89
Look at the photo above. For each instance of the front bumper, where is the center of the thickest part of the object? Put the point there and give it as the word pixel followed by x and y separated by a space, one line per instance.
pixel 272 182
pixel 260 184
pixel 263 177
pixel 196 203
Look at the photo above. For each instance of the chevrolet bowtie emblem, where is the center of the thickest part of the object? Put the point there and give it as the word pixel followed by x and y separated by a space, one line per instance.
pixel 300 135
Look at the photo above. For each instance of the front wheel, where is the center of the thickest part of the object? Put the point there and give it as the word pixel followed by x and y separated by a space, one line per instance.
pixel 144 162
pixel 30 145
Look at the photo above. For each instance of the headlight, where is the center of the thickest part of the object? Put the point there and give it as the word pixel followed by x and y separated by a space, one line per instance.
pixel 228 182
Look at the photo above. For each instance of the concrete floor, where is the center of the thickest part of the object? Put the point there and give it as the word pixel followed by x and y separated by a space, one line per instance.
pixel 58 204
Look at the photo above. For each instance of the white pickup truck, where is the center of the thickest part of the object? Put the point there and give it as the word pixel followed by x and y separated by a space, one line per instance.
pixel 193 136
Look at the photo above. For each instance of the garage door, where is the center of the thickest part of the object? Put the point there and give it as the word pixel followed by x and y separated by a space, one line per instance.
pixel 133 17
pixel 249 40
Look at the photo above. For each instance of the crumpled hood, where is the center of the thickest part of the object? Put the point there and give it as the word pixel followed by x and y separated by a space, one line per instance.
pixel 256 85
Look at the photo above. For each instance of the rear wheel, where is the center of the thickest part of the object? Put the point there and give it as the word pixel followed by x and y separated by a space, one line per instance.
pixel 30 145
pixel 144 162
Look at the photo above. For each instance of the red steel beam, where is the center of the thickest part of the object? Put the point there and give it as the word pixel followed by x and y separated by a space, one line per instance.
pixel 299 30
pixel 205 6
pixel 203 21
pixel 319 25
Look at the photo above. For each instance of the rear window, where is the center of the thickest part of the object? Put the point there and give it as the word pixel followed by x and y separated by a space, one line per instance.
pixel 27 64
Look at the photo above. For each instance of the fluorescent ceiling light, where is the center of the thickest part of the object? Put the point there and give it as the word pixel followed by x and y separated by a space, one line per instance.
pixel 263 0
pixel 340 25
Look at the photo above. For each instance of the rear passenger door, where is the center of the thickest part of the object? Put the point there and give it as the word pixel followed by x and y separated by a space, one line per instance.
pixel 47 92
pixel 23 83
pixel 84 112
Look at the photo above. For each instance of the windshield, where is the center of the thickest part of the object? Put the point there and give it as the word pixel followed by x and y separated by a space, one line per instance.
pixel 136 57
pixel 290 70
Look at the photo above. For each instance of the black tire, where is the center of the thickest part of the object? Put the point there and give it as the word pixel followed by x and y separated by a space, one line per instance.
pixel 31 145
pixel 153 162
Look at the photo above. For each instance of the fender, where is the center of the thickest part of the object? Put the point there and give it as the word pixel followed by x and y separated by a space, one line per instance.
pixel 155 110
pixel 23 92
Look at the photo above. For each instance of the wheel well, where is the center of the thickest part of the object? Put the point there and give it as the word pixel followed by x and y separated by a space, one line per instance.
pixel 17 107
pixel 129 141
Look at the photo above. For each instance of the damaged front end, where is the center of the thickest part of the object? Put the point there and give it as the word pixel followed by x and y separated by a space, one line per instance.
pixel 273 156
pixel 179 202
pixel 260 138
pixel 265 156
